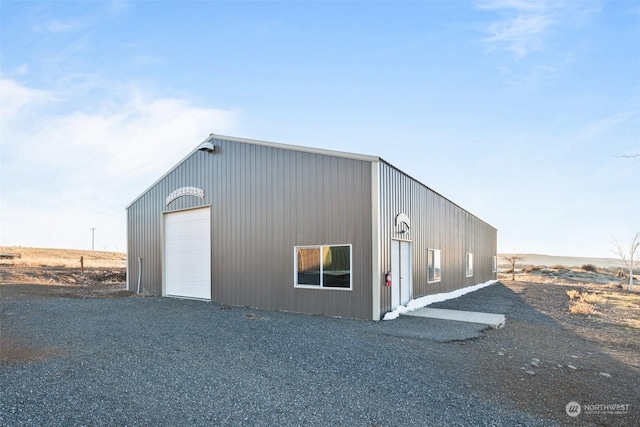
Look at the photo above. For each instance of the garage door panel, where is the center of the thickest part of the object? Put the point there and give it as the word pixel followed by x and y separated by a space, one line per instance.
pixel 188 253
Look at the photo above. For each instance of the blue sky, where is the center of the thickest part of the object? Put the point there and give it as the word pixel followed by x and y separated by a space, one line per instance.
pixel 519 111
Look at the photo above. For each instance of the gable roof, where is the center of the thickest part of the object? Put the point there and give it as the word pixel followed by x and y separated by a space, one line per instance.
pixel 311 150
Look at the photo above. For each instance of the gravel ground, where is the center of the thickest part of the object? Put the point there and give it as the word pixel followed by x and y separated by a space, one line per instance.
pixel 160 361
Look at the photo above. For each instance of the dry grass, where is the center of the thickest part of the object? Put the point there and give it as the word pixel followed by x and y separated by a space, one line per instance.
pixel 625 299
pixel 42 273
pixel 562 275
pixel 42 257
pixel 592 298
pixel 582 307
pixel 583 302
pixel 623 306
pixel 573 294
pixel 532 268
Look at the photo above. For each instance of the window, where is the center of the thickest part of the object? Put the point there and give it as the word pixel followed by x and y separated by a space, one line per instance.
pixel 469 264
pixel 323 266
pixel 494 264
pixel 433 265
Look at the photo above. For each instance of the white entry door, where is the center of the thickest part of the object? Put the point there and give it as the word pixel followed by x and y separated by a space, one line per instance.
pixel 400 273
pixel 187 254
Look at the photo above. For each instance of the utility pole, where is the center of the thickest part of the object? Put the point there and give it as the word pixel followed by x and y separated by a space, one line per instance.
pixel 93 234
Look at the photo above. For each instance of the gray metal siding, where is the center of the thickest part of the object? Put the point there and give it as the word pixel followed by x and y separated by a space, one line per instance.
pixel 264 202
pixel 436 223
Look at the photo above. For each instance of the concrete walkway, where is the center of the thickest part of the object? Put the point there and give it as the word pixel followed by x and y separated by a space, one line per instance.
pixel 496 321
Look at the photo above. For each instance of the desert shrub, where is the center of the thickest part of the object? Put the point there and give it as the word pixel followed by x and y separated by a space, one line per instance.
pixel 591 298
pixel 559 267
pixel 582 307
pixel 573 294
pixel 582 303
pixel 532 268
pixel 589 267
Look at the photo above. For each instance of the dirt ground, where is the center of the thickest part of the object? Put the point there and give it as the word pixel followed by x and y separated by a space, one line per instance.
pixel 615 328
pixel 47 282
pixel 53 273
pixel 19 256
pixel 613 321
pixel 587 358
pixel 42 273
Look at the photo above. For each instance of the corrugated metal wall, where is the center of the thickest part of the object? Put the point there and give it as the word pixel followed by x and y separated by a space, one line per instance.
pixel 264 201
pixel 436 223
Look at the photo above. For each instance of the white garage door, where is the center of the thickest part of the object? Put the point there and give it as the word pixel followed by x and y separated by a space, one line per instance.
pixel 187 253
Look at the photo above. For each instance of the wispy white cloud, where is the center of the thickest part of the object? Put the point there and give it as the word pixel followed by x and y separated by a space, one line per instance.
pixel 523 26
pixel 81 168
pixel 533 78
pixel 523 5
pixel 602 126
pixel 55 26
pixel 118 6
pixel 22 70
pixel 15 97
pixel 521 34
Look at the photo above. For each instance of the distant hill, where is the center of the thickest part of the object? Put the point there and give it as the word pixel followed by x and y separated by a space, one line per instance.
pixel 46 257
pixel 49 257
pixel 568 261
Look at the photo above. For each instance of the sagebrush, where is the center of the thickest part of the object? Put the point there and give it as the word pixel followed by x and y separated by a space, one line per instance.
pixel 582 303
pixel 582 307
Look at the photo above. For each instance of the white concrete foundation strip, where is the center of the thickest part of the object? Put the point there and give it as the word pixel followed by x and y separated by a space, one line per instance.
pixel 496 321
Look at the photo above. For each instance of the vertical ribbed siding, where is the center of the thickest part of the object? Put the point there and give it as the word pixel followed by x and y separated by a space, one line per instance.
pixel 145 222
pixel 436 223
pixel 264 202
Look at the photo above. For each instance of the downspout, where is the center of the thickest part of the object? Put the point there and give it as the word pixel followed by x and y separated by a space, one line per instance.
pixel 139 273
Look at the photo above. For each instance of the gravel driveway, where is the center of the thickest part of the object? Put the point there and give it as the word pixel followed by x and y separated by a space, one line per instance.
pixel 160 361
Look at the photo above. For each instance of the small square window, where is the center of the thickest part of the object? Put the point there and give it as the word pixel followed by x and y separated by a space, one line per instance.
pixel 433 266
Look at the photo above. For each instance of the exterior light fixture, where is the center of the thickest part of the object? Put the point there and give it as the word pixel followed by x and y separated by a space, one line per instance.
pixel 207 146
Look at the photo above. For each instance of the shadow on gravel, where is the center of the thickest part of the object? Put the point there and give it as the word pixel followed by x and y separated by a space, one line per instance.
pixel 434 330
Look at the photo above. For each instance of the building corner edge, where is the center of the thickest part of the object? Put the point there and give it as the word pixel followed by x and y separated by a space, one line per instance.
pixel 375 240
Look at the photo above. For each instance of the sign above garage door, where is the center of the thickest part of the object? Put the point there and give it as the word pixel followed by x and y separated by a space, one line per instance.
pixel 184 191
